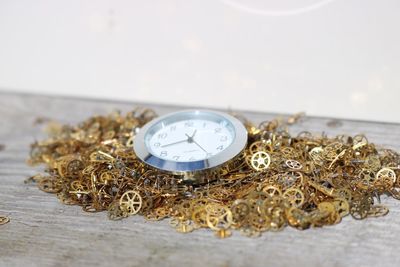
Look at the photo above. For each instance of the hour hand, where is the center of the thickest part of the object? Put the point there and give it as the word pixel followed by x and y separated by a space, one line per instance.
pixel 191 137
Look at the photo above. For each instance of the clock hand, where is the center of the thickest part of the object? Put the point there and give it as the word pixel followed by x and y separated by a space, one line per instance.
pixel 175 143
pixel 197 144
pixel 200 146
pixel 191 140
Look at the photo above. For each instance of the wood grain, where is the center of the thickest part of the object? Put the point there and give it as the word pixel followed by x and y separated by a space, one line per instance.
pixel 43 232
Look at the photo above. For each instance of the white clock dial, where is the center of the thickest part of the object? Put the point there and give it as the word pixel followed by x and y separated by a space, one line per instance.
pixel 190 139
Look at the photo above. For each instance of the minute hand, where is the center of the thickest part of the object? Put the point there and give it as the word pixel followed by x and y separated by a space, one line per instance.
pixel 182 141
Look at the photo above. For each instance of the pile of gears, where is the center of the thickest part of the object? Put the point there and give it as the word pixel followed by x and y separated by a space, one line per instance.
pixel 279 180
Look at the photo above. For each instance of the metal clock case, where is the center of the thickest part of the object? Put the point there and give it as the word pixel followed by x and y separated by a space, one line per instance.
pixel 200 142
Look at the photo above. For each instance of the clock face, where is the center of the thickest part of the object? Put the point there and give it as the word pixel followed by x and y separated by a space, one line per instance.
pixel 190 140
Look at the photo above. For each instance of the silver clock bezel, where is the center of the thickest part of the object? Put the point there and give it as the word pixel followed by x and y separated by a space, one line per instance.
pixel 235 148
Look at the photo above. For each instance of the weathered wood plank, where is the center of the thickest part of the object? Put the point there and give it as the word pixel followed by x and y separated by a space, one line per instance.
pixel 43 232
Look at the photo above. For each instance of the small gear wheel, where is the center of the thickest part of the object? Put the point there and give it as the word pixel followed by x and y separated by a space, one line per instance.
pixel 260 160
pixel 131 202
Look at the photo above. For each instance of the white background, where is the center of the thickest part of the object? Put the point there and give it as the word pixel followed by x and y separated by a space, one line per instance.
pixel 338 58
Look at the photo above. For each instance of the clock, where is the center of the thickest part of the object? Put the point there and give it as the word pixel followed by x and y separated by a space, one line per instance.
pixel 190 141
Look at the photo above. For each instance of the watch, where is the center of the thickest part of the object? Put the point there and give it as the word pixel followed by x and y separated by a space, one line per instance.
pixel 191 143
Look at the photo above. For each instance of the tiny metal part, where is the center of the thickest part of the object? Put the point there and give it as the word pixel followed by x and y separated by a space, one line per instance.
pixel 4 220
pixel 293 164
pixel 279 180
pixel 386 173
pixel 272 190
pixel 342 206
pixel 2 147
pixel 131 202
pixel 378 211
pixel 223 233
pixel 219 217
pixel 260 161
pixel 294 196
pixel 295 118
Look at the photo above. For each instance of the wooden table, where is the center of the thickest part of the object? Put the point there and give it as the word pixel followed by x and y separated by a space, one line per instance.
pixel 44 232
